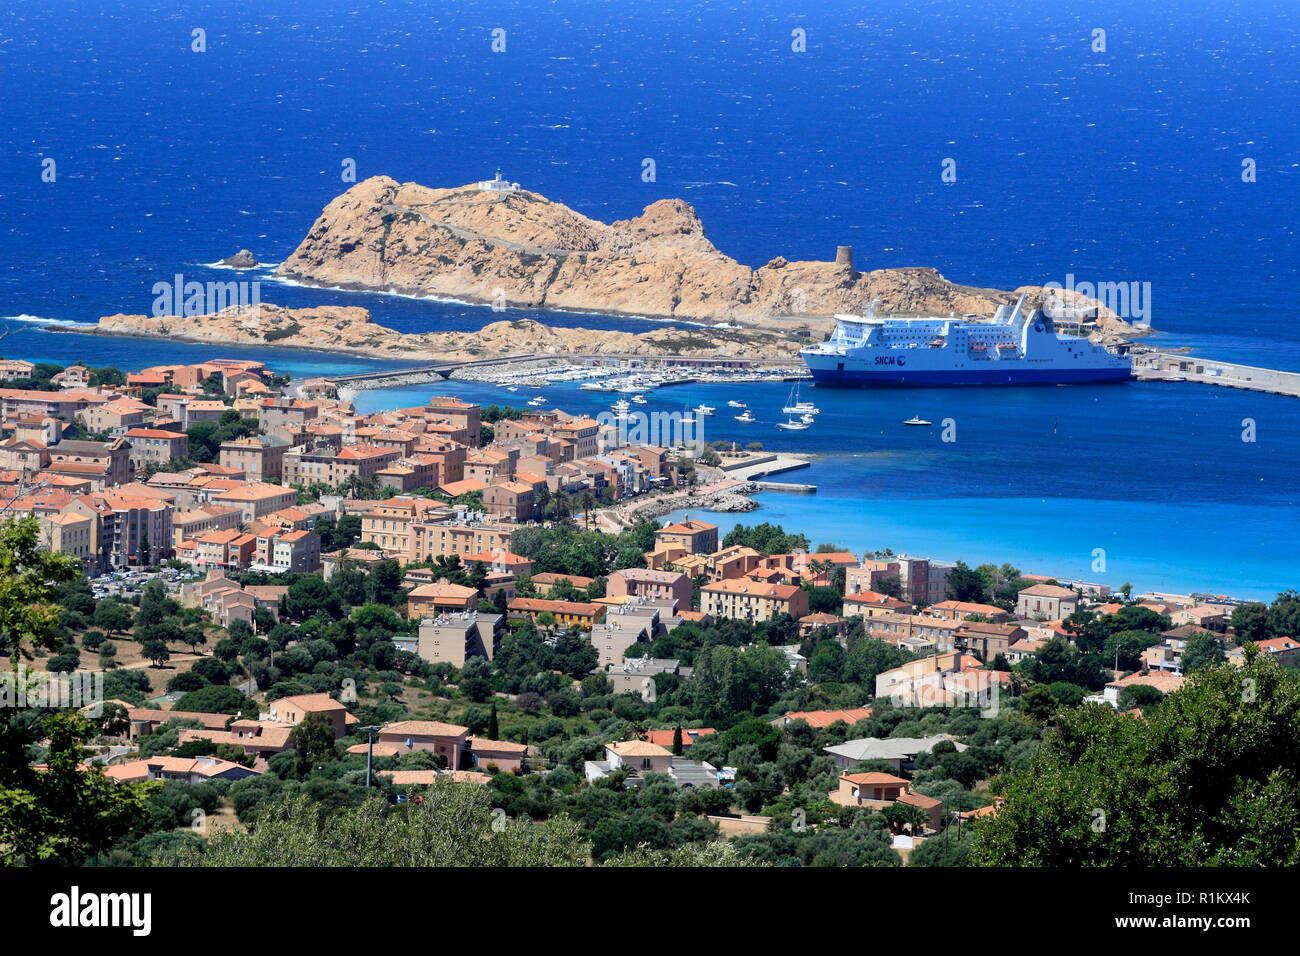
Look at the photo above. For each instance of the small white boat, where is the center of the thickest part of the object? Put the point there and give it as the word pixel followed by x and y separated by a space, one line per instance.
pixel 620 406
pixel 539 400
pixel 591 387
pixel 917 420
pixel 795 407
pixel 705 409
pixel 792 425
pixel 745 416
pixel 807 419
pixel 511 388
pixel 1175 378
pixel 638 400
pixel 735 404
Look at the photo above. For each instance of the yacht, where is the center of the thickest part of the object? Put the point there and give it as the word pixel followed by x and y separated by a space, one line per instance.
pixel 746 416
pixel 792 425
pixel 917 420
pixel 705 410
pixel 539 400
pixel 793 406
pixel 638 400
pixel 735 404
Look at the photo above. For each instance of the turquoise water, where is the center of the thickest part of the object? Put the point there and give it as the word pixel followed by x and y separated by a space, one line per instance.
pixel 1033 478
pixel 1117 167
pixel 1153 546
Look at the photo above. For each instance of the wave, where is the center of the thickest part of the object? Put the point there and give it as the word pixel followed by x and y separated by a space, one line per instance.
pixel 446 300
pixel 41 320
pixel 259 268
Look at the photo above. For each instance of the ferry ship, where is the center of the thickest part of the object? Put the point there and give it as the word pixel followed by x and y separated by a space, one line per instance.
pixel 1011 349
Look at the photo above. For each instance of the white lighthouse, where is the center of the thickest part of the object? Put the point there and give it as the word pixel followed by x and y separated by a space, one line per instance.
pixel 498 185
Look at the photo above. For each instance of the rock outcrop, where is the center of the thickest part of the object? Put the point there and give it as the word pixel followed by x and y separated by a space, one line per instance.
pixel 350 329
pixel 521 249
pixel 243 259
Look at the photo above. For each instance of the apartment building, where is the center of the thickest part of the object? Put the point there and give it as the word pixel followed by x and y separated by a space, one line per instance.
pixel 748 600
pixel 255 499
pixel 155 446
pixel 257 457
pixel 104 463
pixel 643 582
pixel 454 638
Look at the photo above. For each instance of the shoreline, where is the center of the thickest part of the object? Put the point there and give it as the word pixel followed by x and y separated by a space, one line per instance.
pixel 477 303
pixel 192 340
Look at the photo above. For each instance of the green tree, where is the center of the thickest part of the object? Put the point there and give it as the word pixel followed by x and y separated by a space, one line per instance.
pixel 64 814
pixel 1250 622
pixel 950 848
pixel 212 699
pixel 451 826
pixel 1284 615
pixel 311 740
pixel 29 585
pixel 963 584
pixel 1212 778
pixel 113 616
pixel 1201 650
pixel 156 652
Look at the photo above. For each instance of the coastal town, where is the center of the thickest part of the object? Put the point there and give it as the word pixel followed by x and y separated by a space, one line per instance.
pixel 286 600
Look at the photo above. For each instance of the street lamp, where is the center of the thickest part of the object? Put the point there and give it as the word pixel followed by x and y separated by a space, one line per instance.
pixel 370 749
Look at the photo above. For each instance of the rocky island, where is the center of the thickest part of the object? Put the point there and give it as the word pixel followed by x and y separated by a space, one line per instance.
pixel 516 248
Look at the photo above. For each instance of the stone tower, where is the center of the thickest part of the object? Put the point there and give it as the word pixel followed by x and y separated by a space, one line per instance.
pixel 844 256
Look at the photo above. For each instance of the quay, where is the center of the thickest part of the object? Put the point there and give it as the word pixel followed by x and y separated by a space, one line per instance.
pixel 1171 367
pixel 417 374
pixel 786 486
pixel 761 465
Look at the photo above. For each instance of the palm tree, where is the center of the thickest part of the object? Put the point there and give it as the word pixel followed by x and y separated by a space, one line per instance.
pixel 913 816
pixel 588 503
pixel 543 499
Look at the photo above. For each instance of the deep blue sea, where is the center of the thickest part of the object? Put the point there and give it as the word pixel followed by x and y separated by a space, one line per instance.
pixel 1123 165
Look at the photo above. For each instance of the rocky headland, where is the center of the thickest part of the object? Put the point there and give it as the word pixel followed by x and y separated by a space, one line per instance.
pixel 520 249
pixel 350 329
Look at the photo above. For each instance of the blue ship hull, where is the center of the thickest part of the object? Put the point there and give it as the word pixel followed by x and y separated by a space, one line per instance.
pixel 920 378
